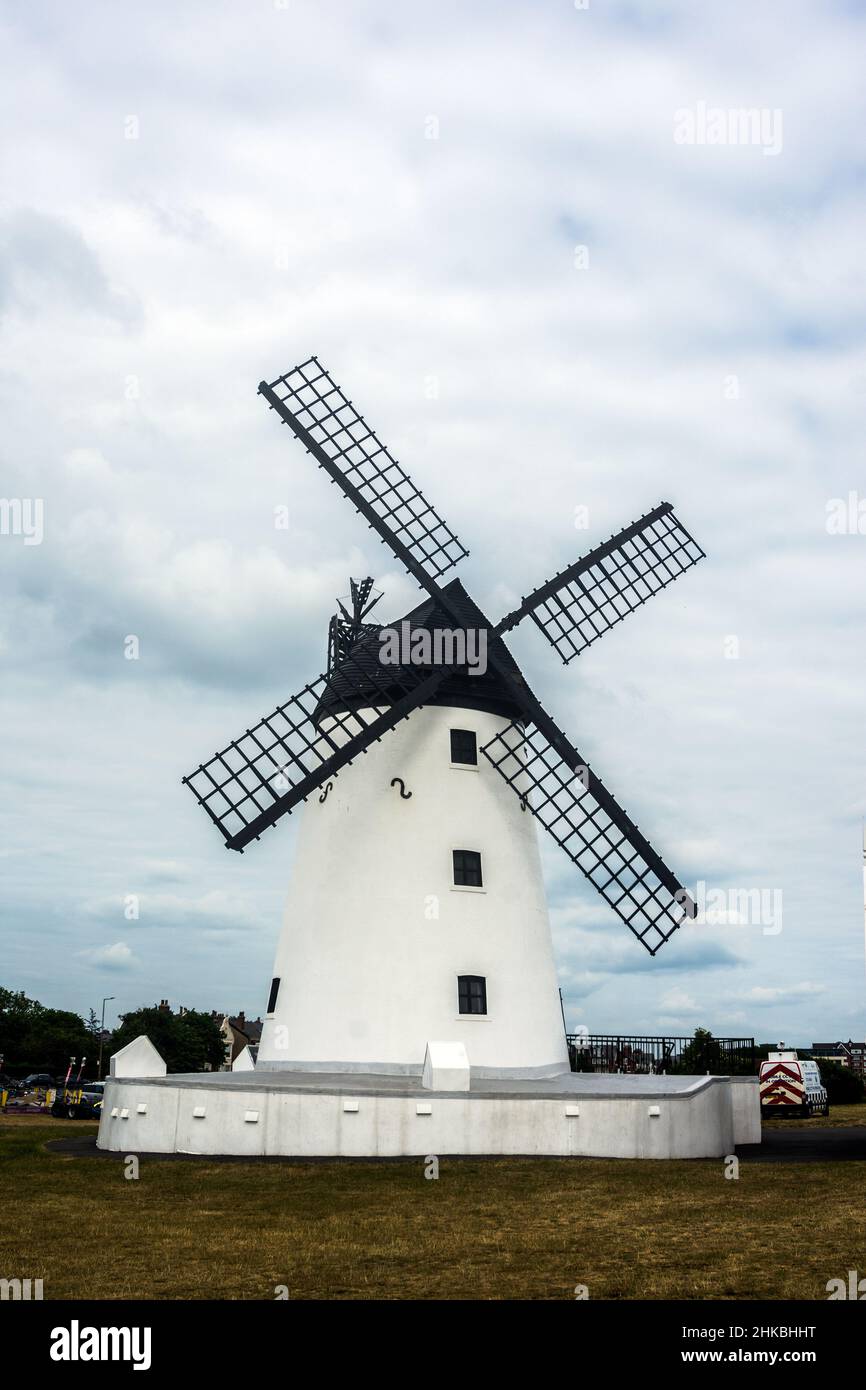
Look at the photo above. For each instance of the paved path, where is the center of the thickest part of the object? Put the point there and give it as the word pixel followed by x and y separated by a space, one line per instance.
pixel 846 1142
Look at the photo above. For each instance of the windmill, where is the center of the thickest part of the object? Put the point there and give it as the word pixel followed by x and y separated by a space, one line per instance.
pixel 379 839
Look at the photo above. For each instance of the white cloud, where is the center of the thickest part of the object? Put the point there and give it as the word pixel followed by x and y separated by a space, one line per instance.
pixel 765 996
pixel 115 957
pixel 217 910
pixel 678 1002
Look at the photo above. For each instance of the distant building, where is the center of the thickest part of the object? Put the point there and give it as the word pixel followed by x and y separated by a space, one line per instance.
pixel 238 1032
pixel 847 1054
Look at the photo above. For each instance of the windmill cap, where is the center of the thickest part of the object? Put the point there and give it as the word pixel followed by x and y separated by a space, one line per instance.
pixel 462 690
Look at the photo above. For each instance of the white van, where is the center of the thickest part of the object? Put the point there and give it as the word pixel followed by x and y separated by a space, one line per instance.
pixel 789 1086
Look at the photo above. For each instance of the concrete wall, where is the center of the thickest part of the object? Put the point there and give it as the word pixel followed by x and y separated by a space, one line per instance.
pixel 697 1124
pixel 375 933
pixel 746 1105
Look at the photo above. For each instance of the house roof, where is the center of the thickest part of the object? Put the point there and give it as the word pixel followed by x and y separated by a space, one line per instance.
pixel 250 1028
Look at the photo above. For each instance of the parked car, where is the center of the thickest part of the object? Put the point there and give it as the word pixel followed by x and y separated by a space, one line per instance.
pixel 37 1080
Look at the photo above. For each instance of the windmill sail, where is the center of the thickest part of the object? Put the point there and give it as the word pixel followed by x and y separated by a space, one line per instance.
pixel 327 423
pixel 577 606
pixel 263 775
pixel 583 817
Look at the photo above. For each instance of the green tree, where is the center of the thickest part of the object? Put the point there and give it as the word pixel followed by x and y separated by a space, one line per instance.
pixel 844 1086
pixel 53 1037
pixel 702 1054
pixel 14 1013
pixel 33 1038
pixel 186 1042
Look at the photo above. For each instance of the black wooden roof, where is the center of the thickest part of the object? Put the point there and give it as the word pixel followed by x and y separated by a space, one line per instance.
pixel 462 690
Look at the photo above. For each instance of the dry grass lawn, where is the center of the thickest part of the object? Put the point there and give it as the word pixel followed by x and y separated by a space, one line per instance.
pixel 840 1117
pixel 496 1229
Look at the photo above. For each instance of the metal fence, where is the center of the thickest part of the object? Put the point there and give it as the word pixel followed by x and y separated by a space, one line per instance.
pixel 616 1052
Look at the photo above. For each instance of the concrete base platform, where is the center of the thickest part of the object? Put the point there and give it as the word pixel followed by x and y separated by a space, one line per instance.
pixel 317 1115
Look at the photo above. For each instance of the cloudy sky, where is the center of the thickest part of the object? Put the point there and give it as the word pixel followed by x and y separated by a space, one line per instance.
pixel 524 238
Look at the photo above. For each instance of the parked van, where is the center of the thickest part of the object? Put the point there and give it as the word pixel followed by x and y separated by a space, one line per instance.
pixel 789 1086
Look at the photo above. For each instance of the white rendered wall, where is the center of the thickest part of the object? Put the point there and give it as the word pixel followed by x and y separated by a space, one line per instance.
pixel 149 1118
pixel 138 1058
pixel 368 969
pixel 746 1103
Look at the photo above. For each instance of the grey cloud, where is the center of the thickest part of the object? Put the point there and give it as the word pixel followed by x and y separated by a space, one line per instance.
pixel 282 199
pixel 44 262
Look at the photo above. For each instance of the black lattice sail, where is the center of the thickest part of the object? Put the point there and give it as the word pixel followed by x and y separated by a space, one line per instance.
pixel 586 600
pixel 583 818
pixel 318 409
pixel 248 786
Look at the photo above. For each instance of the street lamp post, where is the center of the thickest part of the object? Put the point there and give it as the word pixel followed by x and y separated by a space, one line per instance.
pixel 101 1035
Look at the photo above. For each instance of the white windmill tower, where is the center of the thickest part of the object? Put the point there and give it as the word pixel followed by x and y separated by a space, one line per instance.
pixel 417 910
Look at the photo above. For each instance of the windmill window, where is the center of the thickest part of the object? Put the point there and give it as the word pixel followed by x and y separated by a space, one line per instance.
pixel 464 747
pixel 272 997
pixel 472 994
pixel 467 868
